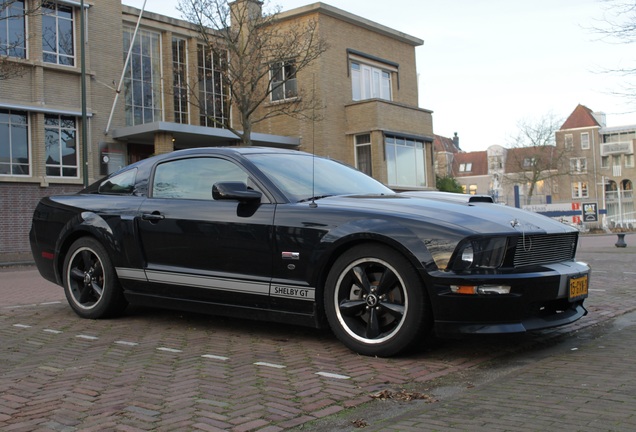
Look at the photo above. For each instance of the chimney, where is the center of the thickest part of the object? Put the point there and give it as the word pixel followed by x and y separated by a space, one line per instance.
pixel 456 141
pixel 600 118
pixel 246 10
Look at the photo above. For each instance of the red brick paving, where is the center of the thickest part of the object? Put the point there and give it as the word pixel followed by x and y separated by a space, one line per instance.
pixel 51 379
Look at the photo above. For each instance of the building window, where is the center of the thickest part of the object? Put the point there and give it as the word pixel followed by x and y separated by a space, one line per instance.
pixel 369 82
pixel 363 153
pixel 283 80
pixel 14 143
pixel 605 162
pixel 142 83
pixel 466 167
pixel 579 190
pixel 585 141
pixel 60 140
pixel 58 44
pixel 569 142
pixel 406 162
pixel 213 97
pixel 629 161
pixel 529 162
pixel 180 80
pixel 12 30
pixel 578 165
pixel 472 189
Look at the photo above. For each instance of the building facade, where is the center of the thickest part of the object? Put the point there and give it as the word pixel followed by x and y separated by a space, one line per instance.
pixel 135 104
pixel 601 165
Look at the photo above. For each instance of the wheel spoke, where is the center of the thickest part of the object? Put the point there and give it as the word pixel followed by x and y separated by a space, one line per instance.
pixel 87 258
pixel 98 270
pixel 86 292
pixel 373 325
pixel 394 309
pixel 362 278
pixel 77 274
pixel 387 281
pixel 351 307
pixel 97 289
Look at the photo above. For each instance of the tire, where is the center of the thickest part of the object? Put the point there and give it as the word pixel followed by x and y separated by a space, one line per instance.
pixel 90 283
pixel 376 302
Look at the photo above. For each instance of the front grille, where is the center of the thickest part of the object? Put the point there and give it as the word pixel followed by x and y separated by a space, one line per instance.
pixel 545 249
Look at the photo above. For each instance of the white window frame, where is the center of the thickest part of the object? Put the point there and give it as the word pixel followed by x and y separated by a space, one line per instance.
pixel 363 143
pixel 578 165
pixel 585 140
pixel 580 190
pixel 180 74
pixel 370 82
pixel 10 162
pixel 288 81
pixel 59 128
pixel 58 19
pixel 629 161
pixel 399 174
pixel 212 114
pixel 605 162
pixel 134 78
pixel 10 47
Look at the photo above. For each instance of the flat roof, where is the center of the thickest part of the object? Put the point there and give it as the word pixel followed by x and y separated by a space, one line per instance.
pixel 188 136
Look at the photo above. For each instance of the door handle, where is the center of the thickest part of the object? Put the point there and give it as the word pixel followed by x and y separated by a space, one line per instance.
pixel 155 216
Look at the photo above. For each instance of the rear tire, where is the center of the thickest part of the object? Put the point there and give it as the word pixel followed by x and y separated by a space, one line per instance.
pixel 376 302
pixel 90 283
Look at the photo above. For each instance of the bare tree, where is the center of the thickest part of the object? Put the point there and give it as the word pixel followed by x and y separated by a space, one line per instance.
pixel 618 25
pixel 13 35
pixel 533 156
pixel 259 57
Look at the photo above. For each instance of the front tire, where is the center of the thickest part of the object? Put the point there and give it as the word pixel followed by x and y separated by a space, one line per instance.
pixel 375 301
pixel 90 283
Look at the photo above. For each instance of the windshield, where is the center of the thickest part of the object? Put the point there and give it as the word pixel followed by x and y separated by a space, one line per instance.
pixel 302 177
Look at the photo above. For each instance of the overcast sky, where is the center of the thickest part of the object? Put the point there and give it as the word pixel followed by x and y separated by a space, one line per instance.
pixel 487 64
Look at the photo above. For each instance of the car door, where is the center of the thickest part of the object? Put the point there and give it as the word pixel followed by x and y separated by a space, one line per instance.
pixel 202 249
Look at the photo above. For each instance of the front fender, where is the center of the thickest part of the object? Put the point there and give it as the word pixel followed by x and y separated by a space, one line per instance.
pixel 411 241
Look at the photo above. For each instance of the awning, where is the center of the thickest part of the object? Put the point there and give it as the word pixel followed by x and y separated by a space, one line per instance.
pixel 189 136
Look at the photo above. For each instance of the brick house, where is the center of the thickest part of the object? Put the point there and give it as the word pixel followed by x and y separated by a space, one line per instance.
pixel 367 82
pixel 601 165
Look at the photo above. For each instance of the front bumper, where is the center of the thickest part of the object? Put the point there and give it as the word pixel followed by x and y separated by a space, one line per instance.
pixel 538 299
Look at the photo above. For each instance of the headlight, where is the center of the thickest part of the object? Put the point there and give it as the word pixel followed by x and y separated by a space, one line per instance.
pixel 480 253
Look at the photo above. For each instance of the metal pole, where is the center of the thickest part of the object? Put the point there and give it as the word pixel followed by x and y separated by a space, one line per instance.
pixel 83 79
pixel 123 72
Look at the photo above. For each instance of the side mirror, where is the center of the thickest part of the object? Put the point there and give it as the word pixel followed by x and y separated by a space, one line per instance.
pixel 234 191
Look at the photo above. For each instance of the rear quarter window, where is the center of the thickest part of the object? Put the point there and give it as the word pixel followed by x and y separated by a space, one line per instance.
pixel 120 184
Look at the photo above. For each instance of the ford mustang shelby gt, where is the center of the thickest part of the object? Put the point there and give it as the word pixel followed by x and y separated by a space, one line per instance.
pixel 285 236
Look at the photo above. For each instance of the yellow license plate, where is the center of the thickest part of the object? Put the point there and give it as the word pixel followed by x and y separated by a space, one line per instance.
pixel 578 288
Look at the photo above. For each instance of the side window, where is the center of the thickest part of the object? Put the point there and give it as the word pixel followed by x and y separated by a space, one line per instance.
pixel 194 178
pixel 121 184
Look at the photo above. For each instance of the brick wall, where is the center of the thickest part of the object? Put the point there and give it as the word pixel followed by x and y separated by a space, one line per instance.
pixel 17 203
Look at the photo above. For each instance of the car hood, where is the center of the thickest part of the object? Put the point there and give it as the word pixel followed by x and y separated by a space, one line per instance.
pixel 475 217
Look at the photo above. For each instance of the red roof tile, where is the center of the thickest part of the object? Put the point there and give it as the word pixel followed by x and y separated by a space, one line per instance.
pixel 581 117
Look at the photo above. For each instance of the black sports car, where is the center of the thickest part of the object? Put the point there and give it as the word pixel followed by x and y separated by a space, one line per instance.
pixel 286 236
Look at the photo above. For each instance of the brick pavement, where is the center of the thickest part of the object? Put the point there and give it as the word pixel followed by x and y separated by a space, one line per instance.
pixel 157 370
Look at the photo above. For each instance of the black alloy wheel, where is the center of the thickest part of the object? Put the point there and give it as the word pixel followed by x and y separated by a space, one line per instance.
pixel 90 283
pixel 375 301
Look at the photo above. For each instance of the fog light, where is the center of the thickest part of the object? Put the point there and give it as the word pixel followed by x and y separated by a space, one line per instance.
pixel 480 289
pixel 493 289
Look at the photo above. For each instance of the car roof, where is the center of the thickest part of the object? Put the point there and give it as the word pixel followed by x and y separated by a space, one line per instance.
pixel 242 150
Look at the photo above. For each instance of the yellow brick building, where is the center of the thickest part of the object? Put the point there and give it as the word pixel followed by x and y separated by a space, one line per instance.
pixel 366 85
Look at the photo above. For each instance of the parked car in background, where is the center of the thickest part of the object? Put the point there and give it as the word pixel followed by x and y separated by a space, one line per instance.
pixel 286 236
